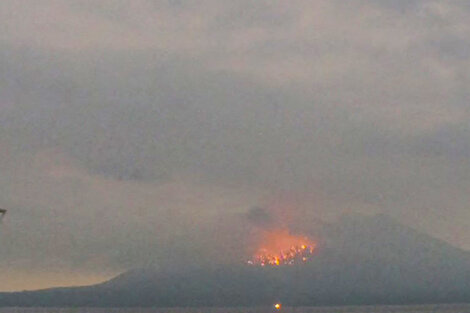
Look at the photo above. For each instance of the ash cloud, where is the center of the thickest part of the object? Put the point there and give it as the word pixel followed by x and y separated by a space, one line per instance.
pixel 259 217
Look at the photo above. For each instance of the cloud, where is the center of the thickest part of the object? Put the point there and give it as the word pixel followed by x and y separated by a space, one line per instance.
pixel 71 219
pixel 120 116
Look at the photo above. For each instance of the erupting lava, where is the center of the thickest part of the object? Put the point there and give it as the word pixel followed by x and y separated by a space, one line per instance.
pixel 282 248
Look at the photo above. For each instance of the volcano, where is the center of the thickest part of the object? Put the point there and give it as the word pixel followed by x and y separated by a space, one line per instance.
pixel 361 260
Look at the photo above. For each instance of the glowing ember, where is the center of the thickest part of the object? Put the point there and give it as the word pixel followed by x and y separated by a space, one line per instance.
pixel 277 306
pixel 282 248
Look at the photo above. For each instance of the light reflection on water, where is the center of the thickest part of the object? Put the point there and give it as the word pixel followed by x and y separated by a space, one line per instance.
pixel 455 308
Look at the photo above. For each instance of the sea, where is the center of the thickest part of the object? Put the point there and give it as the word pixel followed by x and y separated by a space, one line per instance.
pixel 450 308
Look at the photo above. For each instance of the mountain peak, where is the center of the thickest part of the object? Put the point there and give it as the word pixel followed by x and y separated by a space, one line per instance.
pixel 363 260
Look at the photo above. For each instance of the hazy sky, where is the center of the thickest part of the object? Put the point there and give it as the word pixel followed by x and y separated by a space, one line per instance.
pixel 134 132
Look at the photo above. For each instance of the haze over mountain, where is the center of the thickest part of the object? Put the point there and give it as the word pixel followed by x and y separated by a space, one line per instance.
pixel 372 260
pixel 137 132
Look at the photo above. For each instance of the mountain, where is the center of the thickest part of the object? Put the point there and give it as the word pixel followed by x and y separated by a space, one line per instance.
pixel 361 260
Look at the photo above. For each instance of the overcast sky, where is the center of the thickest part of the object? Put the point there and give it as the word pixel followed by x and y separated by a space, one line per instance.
pixel 135 132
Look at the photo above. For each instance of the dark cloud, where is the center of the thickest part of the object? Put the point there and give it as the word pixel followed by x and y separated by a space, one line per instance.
pixel 259 217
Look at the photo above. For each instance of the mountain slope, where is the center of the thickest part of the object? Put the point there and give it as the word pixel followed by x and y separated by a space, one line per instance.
pixel 360 261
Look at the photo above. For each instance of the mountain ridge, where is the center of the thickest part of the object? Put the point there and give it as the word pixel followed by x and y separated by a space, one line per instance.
pixel 372 260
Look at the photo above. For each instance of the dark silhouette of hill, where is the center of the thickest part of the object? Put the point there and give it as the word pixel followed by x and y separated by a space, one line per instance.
pixel 361 260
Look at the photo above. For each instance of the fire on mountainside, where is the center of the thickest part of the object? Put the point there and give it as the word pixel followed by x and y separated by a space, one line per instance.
pixel 279 248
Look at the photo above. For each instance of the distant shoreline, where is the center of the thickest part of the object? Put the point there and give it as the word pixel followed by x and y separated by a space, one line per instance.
pixel 434 308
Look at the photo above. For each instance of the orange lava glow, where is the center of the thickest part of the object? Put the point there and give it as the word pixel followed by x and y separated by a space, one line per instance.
pixel 282 248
